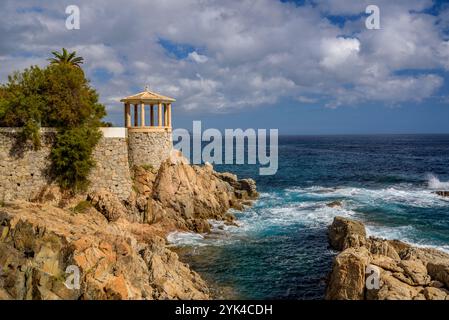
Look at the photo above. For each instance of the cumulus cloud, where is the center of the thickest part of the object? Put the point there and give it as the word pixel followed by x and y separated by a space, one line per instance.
pixel 238 53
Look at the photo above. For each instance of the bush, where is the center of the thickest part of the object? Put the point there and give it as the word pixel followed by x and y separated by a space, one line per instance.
pixel 72 157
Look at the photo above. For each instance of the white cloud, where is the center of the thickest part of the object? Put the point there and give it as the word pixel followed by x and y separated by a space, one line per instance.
pixel 253 53
pixel 196 57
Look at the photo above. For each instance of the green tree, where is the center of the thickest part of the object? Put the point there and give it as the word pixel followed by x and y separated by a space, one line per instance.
pixel 56 96
pixel 65 57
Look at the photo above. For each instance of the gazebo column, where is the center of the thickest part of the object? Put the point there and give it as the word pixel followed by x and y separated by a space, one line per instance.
pixel 165 115
pixel 136 116
pixel 151 115
pixel 127 115
pixel 169 114
pixel 142 114
pixel 159 113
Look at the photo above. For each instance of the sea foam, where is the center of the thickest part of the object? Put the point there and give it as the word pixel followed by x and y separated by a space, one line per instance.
pixel 434 183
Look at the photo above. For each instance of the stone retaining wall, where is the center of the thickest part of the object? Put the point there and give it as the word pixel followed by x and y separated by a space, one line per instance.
pixel 24 171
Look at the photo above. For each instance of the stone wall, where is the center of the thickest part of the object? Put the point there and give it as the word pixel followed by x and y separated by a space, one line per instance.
pixel 149 148
pixel 112 168
pixel 24 171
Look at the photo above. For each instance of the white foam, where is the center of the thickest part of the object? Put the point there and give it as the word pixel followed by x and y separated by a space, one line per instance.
pixel 178 238
pixel 434 183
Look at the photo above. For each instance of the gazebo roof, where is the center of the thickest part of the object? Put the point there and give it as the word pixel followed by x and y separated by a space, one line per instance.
pixel 147 97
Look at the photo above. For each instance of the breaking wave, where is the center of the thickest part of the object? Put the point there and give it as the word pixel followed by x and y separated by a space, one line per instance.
pixel 434 183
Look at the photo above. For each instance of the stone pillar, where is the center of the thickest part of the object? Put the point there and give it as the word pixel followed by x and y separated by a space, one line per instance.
pixel 142 114
pixel 165 115
pixel 159 113
pixel 169 115
pixel 127 115
pixel 151 115
pixel 136 116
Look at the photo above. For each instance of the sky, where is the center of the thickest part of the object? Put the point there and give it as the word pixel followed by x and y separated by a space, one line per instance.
pixel 303 67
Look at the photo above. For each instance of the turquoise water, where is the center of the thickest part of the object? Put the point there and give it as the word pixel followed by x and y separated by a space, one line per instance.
pixel 280 250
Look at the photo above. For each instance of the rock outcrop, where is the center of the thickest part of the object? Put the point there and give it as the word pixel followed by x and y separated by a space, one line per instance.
pixel 180 196
pixel 442 193
pixel 378 269
pixel 117 246
pixel 119 260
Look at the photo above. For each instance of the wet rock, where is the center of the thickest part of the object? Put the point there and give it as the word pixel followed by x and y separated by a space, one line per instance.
pixel 334 204
pixel 442 193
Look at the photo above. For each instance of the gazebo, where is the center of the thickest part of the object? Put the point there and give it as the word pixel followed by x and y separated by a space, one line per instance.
pixel 151 99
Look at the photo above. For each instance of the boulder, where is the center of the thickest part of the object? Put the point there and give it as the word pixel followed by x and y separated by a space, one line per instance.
pixel 107 204
pixel 345 233
pixel 334 204
pixel 439 272
pixel 442 193
pixel 382 247
pixel 347 280
pixel 432 293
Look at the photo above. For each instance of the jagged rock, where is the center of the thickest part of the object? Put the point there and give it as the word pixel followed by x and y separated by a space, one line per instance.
pixel 442 193
pixel 182 193
pixel 405 272
pixel 386 263
pixel 415 272
pixel 439 272
pixel 122 260
pixel 347 280
pixel 393 289
pixel 432 293
pixel 382 247
pixel 334 204
pixel 107 203
pixel 345 233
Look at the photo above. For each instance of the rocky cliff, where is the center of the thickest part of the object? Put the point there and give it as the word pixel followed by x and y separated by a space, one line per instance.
pixel 369 268
pixel 118 246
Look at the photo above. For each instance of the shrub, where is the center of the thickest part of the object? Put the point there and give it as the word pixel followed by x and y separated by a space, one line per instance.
pixel 72 157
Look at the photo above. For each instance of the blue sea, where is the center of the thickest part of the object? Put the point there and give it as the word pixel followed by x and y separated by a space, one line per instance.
pixel 280 249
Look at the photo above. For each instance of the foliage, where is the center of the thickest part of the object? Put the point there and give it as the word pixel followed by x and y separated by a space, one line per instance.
pixel 72 156
pixel 59 96
pixel 82 206
pixel 66 58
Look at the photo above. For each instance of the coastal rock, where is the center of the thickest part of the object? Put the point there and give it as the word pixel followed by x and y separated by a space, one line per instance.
pixel 405 272
pixel 439 272
pixel 382 247
pixel 185 196
pixel 436 294
pixel 107 203
pixel 118 260
pixel 345 233
pixel 347 281
pixel 334 204
pixel 442 193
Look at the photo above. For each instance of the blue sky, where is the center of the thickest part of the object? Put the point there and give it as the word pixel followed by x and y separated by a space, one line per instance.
pixel 304 67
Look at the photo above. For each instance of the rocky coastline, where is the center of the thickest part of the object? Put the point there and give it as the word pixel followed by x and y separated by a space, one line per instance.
pixel 369 268
pixel 118 246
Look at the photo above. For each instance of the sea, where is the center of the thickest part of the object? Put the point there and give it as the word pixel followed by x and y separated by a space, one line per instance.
pixel 280 248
